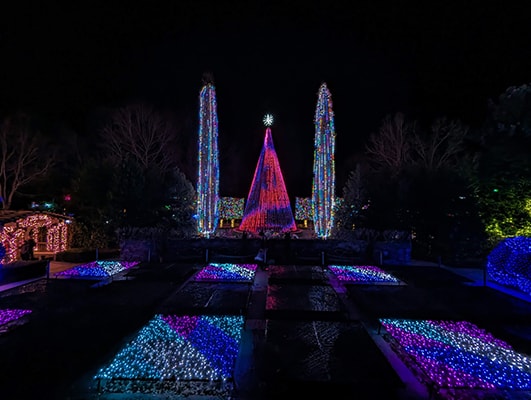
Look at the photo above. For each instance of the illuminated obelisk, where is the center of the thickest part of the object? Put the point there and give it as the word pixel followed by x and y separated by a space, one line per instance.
pixel 208 171
pixel 323 188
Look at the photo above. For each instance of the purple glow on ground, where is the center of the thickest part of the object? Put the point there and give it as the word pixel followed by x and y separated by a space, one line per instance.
pixel 227 272
pixel 362 274
pixel 9 315
pixel 98 269
pixel 461 355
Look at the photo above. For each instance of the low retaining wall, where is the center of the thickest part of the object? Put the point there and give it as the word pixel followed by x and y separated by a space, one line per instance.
pixel 21 271
pixel 392 252
pixel 199 250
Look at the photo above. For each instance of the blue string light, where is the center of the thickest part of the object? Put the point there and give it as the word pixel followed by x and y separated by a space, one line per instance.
pixel 227 272
pixel 509 263
pixel 362 274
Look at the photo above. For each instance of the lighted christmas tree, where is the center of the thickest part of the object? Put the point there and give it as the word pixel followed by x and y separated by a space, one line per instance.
pixel 208 170
pixel 323 188
pixel 268 207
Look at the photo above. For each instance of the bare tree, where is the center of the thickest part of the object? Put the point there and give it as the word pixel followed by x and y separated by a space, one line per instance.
pixel 391 146
pixel 23 158
pixel 443 147
pixel 142 133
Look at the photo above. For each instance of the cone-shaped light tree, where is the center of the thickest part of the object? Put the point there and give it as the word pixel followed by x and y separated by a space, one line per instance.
pixel 268 207
pixel 208 160
pixel 323 188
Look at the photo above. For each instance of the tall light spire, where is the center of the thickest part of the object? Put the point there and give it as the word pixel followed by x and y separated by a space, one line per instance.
pixel 323 188
pixel 208 160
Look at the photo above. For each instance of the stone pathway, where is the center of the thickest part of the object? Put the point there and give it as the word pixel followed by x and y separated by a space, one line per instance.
pixel 305 331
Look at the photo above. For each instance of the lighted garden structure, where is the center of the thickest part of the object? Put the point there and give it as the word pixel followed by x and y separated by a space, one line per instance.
pixel 227 272
pixel 208 160
pixel 268 206
pixel 48 230
pixel 191 354
pixel 363 274
pixel 97 269
pixel 455 355
pixel 323 187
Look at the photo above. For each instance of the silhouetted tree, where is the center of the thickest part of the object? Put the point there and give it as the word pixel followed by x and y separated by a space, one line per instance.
pixel 511 114
pixel 141 147
pixel 352 211
pixel 91 206
pixel 504 175
pixel 181 207
pixel 390 147
pixel 421 182
pixel 442 148
pixel 139 133
pixel 24 157
pixel 389 152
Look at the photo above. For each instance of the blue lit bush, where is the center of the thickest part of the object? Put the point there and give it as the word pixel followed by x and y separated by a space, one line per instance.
pixel 509 263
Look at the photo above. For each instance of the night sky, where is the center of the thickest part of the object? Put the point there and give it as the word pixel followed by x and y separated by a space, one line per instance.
pixel 66 63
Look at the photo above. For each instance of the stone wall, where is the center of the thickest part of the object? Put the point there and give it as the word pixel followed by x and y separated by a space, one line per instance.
pixel 392 252
pixel 22 270
pixel 199 250
pixel 138 250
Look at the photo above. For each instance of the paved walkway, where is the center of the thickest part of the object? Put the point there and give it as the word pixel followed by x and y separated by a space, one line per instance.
pixel 252 374
pixel 54 267
pixel 248 374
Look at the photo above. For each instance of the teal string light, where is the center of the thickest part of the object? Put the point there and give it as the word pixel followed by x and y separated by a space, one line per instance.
pixel 227 272
pixel 208 160
pixel 362 274
pixel 323 188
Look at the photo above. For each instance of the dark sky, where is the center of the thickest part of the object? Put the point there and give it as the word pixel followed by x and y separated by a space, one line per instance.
pixel 427 60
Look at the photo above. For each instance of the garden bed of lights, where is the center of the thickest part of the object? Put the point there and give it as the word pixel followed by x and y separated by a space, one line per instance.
pixel 12 317
pixel 363 274
pixel 453 358
pixel 227 272
pixel 101 269
pixel 177 355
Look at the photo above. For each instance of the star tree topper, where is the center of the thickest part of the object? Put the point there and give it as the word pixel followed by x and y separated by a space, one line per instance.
pixel 268 119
